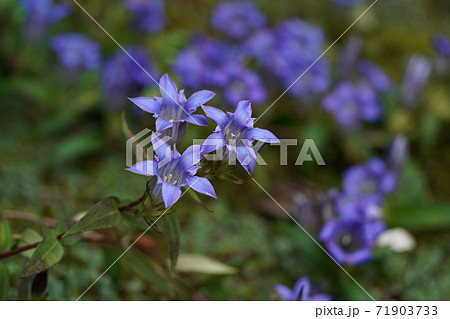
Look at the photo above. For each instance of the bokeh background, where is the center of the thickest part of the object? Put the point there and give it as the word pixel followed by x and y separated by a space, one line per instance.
pixel 62 145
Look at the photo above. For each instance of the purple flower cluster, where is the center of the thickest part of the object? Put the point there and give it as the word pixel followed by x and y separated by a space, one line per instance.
pixel 173 111
pixel 237 18
pixel 76 51
pixel 351 234
pixel 212 63
pixel 283 53
pixel 122 76
pixel 352 103
pixel 42 13
pixel 147 15
pixel 287 51
pixel 300 292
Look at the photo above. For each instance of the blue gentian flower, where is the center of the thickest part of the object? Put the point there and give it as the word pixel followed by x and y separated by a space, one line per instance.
pixel 350 103
pixel 173 171
pixel 415 77
pixel 123 77
pixel 347 3
pixel 76 51
pixel 374 75
pixel 236 133
pixel 173 109
pixel 42 13
pixel 148 15
pixel 300 292
pixel 351 241
pixel 237 18
pixel 358 207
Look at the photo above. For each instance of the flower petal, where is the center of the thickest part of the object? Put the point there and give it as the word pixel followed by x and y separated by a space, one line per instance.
pixel 161 148
pixel 212 143
pixel 284 292
pixel 146 104
pixel 190 157
pixel 215 115
pixel 263 135
pixel 162 124
pixel 247 157
pixel 147 168
pixel 197 119
pixel 243 112
pixel 170 194
pixel 197 99
pixel 168 88
pixel 202 185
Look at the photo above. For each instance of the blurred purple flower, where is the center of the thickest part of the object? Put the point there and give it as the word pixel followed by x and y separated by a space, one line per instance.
pixel 42 13
pixel 212 63
pixel 237 18
pixel 351 241
pixel 347 3
pixel 76 51
pixel 236 133
pixel 244 84
pixel 442 44
pixel 397 154
pixel 415 77
pixel 372 177
pixel 206 63
pixel 173 109
pixel 123 77
pixel 148 15
pixel 352 103
pixel 374 75
pixel 295 47
pixel 173 171
pixel 300 292
pixel 349 56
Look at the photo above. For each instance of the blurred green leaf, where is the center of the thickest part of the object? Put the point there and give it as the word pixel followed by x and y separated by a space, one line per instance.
pixel 4 281
pixel 171 229
pixel 203 264
pixel 104 214
pixel 48 253
pixel 77 146
pixel 197 199
pixel 420 217
pixel 5 234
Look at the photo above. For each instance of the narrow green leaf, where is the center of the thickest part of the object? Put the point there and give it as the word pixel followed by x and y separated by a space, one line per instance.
pixel 171 229
pixel 420 217
pixel 104 214
pixel 125 128
pixel 197 199
pixel 5 234
pixel 203 264
pixel 232 178
pixel 4 281
pixel 48 253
